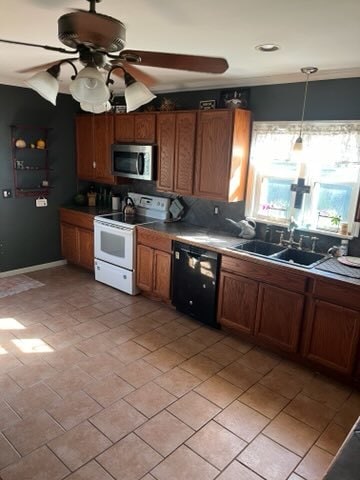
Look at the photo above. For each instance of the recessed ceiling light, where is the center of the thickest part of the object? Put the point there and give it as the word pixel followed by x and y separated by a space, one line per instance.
pixel 267 47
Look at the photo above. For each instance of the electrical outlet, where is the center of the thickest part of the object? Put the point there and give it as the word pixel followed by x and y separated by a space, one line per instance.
pixel 216 210
pixel 41 202
pixel 6 193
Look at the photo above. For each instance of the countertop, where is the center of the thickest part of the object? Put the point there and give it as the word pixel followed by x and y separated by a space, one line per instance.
pixel 218 241
pixel 223 243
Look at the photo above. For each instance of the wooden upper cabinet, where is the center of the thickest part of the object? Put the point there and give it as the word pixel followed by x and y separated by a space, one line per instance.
pixel 176 151
pixel 166 125
pixel 222 154
pixel 184 152
pixel 137 127
pixel 332 336
pixel 94 136
pixel 124 128
pixel 145 128
pixel 279 317
pixel 84 128
pixel 103 139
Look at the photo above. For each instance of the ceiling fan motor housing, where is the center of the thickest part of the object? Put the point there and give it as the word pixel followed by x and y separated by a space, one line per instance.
pixel 93 30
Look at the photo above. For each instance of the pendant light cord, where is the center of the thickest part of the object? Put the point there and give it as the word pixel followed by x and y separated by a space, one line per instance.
pixel 308 71
pixel 304 104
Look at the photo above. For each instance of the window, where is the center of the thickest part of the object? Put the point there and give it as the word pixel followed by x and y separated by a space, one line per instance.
pixel 329 163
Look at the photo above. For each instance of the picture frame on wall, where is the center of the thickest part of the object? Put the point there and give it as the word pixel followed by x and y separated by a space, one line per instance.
pixel 207 104
pixel 235 98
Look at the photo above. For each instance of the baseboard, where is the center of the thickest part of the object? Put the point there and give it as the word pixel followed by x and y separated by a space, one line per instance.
pixel 33 268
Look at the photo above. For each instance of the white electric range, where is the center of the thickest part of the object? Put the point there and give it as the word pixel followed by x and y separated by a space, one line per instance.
pixel 115 241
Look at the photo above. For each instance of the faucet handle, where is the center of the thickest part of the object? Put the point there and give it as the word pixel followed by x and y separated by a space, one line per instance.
pixel 281 236
pixel 301 240
pixel 313 243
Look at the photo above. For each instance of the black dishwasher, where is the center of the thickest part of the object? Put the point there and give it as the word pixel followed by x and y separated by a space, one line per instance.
pixel 194 282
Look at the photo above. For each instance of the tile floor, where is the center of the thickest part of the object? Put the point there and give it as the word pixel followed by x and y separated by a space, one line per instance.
pixel 98 385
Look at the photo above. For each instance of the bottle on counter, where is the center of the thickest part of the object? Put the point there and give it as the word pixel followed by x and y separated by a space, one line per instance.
pixel 344 247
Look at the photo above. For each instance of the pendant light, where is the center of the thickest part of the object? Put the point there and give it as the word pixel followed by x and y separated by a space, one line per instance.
pixel 298 145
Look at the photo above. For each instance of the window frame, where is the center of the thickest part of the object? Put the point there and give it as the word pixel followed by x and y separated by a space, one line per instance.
pixel 255 179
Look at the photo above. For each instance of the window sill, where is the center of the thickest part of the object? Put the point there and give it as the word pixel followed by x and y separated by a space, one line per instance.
pixel 327 233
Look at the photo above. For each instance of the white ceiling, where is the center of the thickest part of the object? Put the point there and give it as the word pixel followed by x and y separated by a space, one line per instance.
pixel 321 33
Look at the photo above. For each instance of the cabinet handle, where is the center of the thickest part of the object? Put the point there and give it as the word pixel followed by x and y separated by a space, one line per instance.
pixel 94 164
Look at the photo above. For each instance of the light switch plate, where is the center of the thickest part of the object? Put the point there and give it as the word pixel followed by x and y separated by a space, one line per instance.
pixel 6 193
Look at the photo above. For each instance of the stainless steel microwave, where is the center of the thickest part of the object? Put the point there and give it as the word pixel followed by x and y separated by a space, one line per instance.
pixel 133 161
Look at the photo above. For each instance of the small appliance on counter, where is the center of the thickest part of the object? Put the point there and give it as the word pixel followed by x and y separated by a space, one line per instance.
pixel 194 282
pixel 115 241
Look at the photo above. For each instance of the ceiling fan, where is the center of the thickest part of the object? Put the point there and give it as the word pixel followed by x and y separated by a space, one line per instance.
pixel 98 41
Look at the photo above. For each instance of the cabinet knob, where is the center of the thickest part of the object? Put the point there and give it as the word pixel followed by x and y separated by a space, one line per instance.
pixel 94 164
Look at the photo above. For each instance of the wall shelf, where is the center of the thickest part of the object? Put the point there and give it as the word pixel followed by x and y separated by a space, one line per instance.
pixel 30 168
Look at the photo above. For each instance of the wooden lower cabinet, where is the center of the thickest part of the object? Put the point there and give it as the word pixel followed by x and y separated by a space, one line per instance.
pixel 279 317
pixel 153 265
pixel 237 302
pixel 332 336
pixel 69 243
pixel 145 269
pixel 252 300
pixel 77 237
pixel 86 248
pixel 162 273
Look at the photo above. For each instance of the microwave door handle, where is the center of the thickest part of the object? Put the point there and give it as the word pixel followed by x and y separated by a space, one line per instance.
pixel 140 164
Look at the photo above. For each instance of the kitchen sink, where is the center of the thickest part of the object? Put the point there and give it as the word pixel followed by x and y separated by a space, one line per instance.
pixel 260 248
pixel 300 257
pixel 280 253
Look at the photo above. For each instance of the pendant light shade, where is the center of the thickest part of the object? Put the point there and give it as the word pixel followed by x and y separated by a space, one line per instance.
pixel 45 84
pixel 136 95
pixel 298 145
pixel 89 87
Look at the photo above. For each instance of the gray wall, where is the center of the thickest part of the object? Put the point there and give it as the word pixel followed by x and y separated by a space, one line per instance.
pixel 30 235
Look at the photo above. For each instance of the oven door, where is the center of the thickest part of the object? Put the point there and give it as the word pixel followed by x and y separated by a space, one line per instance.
pixel 114 244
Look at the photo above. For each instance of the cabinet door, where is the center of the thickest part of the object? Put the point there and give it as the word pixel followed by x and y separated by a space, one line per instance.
pixel 103 138
pixel 332 336
pixel 237 302
pixel 145 268
pixel 213 154
pixel 162 274
pixel 166 151
pixel 279 315
pixel 184 152
pixel 69 243
pixel 145 128
pixel 86 248
pixel 124 128
pixel 85 159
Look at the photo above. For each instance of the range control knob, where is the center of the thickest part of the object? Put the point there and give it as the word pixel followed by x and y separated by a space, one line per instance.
pixel 190 302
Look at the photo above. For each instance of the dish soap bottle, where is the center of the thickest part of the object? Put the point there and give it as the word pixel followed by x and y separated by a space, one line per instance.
pixel 344 247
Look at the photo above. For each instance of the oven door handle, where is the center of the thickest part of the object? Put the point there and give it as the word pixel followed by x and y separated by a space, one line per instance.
pixel 140 163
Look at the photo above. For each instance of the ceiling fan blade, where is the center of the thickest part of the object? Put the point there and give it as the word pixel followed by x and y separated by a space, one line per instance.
pixel 46 47
pixel 139 75
pixel 194 63
pixel 44 66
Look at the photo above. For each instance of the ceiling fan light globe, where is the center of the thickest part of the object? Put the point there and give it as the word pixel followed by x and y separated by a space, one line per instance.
pixel 101 108
pixel 89 87
pixel 45 85
pixel 136 95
